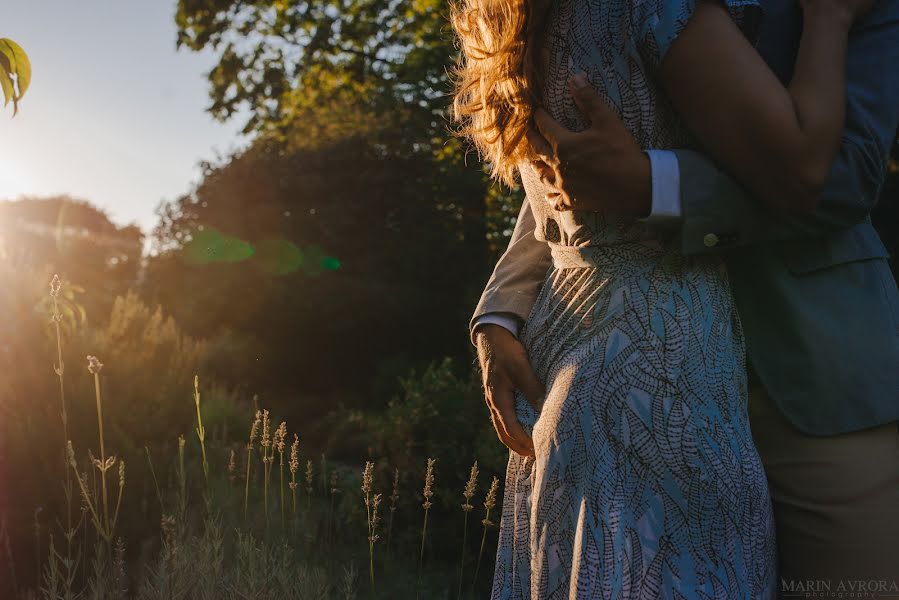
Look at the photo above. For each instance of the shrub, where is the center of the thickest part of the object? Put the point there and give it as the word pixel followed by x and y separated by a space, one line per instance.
pixel 147 389
pixel 438 413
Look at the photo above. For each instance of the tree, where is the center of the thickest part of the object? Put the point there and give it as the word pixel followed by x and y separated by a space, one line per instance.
pixel 317 261
pixel 76 240
pixel 313 73
pixel 271 49
pixel 353 160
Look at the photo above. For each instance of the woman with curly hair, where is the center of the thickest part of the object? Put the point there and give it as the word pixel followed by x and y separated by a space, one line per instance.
pixel 636 476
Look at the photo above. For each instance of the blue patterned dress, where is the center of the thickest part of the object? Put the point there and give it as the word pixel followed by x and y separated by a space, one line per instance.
pixel 646 482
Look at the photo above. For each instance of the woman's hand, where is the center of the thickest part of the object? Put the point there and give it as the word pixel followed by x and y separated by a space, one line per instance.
pixel 599 169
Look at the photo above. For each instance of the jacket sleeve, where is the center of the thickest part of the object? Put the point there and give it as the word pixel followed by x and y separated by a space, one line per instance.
pixel 518 275
pixel 718 213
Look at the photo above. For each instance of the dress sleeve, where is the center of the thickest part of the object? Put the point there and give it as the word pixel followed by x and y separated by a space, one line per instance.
pixel 657 23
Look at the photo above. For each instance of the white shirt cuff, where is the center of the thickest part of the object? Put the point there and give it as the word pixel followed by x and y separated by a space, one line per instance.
pixel 504 321
pixel 665 173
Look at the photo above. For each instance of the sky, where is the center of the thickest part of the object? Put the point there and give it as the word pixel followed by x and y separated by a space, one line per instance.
pixel 114 115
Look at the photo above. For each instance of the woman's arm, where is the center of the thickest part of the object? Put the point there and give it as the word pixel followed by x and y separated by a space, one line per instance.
pixel 780 142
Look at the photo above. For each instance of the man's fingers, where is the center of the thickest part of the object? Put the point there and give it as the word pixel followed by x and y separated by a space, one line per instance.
pixel 526 381
pixel 506 439
pixel 559 201
pixel 544 172
pixel 516 431
pixel 550 129
pixel 502 404
pixel 589 101
pixel 501 433
pixel 539 145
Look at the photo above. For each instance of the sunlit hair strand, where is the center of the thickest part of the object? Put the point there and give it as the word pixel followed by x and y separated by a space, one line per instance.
pixel 496 79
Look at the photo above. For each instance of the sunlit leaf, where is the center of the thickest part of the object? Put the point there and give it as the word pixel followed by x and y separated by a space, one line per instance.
pixel 9 92
pixel 19 63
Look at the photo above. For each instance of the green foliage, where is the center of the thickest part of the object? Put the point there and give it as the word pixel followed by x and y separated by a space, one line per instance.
pixel 146 389
pixel 204 547
pixel 270 49
pixel 148 376
pixel 301 214
pixel 433 402
pixel 215 563
pixel 15 73
pixel 355 161
pixel 438 414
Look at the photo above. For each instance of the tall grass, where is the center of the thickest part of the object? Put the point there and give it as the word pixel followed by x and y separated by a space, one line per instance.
pixel 294 467
pixel 468 494
pixel 427 493
pixel 372 501
pixel 225 547
pixel 254 428
pixel 201 431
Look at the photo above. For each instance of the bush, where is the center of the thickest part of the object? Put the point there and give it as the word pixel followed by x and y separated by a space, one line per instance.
pixel 147 384
pixel 183 529
pixel 438 414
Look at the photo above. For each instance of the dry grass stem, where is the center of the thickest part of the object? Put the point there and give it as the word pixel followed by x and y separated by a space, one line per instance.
pixel 280 444
pixel 468 494
pixel 394 497
pixel 427 493
pixel 489 503
pixel 294 467
pixel 201 431
pixel 310 474
pixel 254 429
pixel 372 502
pixel 267 459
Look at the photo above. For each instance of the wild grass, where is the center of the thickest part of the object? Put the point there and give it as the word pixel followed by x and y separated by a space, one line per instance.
pixel 427 493
pixel 211 543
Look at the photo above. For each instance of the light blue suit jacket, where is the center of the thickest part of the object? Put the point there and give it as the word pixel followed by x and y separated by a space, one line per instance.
pixel 819 306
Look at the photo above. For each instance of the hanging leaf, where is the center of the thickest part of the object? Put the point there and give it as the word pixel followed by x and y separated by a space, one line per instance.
pixel 9 92
pixel 14 63
pixel 20 63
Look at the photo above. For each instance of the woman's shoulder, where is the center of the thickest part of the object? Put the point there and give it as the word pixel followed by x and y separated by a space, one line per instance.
pixel 657 23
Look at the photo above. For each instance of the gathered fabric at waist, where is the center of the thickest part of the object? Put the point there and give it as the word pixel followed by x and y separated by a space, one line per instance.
pixel 606 256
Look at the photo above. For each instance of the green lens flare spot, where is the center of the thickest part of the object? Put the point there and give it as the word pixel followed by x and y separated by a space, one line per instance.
pixel 211 246
pixel 329 263
pixel 279 257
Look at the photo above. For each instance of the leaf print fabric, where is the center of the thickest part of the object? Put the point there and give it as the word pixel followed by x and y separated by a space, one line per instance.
pixel 646 482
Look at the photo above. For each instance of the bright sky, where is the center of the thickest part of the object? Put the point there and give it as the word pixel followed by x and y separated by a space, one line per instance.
pixel 114 114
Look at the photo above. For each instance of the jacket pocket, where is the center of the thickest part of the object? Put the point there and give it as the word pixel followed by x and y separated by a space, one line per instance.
pixel 859 243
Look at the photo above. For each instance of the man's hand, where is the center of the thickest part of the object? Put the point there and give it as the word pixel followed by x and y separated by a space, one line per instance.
pixel 599 169
pixel 505 368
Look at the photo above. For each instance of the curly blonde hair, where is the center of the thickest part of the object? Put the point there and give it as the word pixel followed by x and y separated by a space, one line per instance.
pixel 496 80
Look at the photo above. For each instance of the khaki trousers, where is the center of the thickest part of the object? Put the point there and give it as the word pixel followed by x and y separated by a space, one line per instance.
pixel 836 505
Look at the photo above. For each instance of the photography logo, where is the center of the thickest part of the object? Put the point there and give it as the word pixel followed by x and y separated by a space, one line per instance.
pixel 839 588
